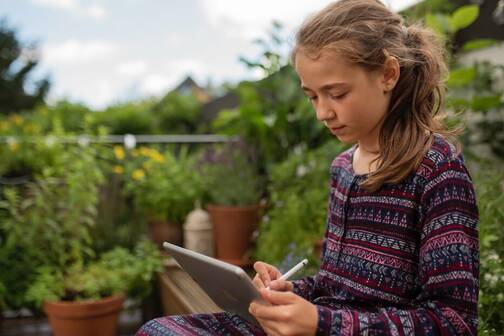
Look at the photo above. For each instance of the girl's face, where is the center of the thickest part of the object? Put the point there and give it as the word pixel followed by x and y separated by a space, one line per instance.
pixel 350 101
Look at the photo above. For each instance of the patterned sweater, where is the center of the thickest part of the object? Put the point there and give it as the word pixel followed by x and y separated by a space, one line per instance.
pixel 403 260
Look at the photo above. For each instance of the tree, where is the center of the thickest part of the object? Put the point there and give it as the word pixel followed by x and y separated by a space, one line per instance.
pixel 17 92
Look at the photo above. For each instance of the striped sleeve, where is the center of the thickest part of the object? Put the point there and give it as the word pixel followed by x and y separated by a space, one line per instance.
pixel 448 268
pixel 305 287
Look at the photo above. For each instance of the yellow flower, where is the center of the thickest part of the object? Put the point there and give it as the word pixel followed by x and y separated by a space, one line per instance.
pixel 147 165
pixel 138 174
pixel 28 128
pixel 158 157
pixel 118 170
pixel 17 119
pixel 13 146
pixel 145 151
pixel 119 152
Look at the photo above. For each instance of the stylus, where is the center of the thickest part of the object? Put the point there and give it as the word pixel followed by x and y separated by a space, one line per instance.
pixel 293 270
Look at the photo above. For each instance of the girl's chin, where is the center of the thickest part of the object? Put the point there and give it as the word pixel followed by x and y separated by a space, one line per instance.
pixel 345 138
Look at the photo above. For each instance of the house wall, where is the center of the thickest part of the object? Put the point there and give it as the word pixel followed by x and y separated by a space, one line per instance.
pixel 493 54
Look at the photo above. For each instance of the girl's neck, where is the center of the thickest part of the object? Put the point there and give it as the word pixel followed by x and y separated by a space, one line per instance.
pixel 369 148
pixel 364 158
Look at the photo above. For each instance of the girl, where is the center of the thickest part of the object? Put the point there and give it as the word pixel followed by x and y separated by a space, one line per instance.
pixel 401 249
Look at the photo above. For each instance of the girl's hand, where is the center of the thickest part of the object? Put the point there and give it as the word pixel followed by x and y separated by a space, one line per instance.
pixel 266 276
pixel 289 314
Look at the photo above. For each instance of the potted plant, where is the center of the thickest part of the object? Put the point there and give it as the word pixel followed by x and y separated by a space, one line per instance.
pixel 164 188
pixel 48 221
pixel 233 186
pixel 46 242
pixel 85 300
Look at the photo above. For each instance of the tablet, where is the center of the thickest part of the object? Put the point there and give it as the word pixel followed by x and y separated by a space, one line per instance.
pixel 228 285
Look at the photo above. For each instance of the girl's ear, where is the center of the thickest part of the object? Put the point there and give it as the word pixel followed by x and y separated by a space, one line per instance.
pixel 390 74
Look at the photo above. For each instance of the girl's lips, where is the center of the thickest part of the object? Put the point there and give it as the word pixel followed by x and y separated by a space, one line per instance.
pixel 336 129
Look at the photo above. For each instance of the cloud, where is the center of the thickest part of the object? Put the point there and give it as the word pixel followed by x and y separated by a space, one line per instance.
pixel 174 38
pixel 253 18
pixel 58 4
pixel 95 93
pixel 182 67
pixel 94 11
pixel 74 51
pixel 131 68
pixel 156 84
pixel 167 76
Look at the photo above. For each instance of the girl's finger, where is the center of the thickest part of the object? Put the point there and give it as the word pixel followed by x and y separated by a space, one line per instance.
pixel 258 282
pixel 269 327
pixel 281 285
pixel 279 298
pixel 269 313
pixel 263 272
pixel 274 273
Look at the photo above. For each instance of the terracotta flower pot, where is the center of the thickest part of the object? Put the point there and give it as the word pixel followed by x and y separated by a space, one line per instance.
pixel 86 318
pixel 161 231
pixel 233 228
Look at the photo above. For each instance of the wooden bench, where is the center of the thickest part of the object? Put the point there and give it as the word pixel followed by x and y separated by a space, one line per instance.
pixel 180 294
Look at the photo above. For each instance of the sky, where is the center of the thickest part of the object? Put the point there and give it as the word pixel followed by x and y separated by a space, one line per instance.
pixel 101 52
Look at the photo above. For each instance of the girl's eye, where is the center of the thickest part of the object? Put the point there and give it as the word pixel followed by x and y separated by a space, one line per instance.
pixel 312 98
pixel 341 96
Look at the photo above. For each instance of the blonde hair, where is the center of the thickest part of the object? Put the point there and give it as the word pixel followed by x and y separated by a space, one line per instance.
pixel 366 32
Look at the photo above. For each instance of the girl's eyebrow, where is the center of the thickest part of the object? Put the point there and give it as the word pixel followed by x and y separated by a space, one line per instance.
pixel 326 87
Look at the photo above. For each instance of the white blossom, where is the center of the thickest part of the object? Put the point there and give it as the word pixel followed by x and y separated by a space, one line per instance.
pixel 301 171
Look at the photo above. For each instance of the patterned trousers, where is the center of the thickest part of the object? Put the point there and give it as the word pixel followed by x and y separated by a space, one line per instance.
pixel 200 325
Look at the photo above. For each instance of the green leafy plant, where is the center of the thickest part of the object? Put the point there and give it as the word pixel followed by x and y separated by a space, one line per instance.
pixel 3 290
pixel 461 18
pixel 126 118
pixel 474 89
pixel 177 114
pixel 299 192
pixel 118 271
pixel 274 115
pixel 163 186
pixel 48 222
pixel 478 91
pixel 230 176
pixel 21 155
pixel 489 181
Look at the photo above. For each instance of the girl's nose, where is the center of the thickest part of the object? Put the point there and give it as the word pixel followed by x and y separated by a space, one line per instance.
pixel 324 111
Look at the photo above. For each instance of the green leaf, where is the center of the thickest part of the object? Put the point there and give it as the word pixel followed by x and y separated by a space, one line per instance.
pixel 463 17
pixel 438 22
pixel 479 44
pixel 225 118
pixel 486 103
pixel 461 77
pixel 488 239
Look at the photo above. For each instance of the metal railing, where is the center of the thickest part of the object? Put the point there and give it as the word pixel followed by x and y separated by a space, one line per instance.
pixel 129 140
